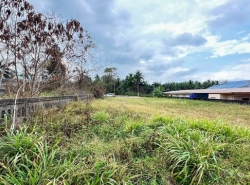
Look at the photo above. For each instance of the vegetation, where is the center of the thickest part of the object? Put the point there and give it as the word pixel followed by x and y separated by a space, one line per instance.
pixel 144 141
pixel 138 79
pixel 135 85
pixel 33 46
pixel 108 79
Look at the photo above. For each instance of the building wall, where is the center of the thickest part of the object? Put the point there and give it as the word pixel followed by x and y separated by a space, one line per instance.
pixel 241 97
pixel 229 96
pixel 218 96
pixel 214 96
pixel 179 95
pixel 185 95
pixel 221 96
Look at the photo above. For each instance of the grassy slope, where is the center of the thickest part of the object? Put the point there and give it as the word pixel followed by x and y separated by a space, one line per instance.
pixel 140 141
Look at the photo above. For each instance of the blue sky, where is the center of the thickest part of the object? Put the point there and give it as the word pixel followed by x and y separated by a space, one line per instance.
pixel 167 40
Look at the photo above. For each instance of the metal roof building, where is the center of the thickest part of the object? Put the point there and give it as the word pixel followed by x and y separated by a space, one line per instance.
pixel 233 84
pixel 239 90
pixel 212 91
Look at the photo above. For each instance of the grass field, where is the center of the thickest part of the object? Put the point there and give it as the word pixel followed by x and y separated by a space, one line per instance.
pixel 234 114
pixel 130 141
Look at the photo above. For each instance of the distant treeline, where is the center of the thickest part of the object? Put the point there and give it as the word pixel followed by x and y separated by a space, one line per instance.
pixel 134 84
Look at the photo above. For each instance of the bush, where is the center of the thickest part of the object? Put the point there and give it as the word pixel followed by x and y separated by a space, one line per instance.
pixel 130 94
pixel 158 92
pixel 98 91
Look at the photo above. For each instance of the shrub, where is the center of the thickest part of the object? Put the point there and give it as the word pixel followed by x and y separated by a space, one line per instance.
pixel 158 92
pixel 130 94
pixel 98 91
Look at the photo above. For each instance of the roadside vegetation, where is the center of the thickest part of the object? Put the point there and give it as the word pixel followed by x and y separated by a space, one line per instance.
pixel 130 141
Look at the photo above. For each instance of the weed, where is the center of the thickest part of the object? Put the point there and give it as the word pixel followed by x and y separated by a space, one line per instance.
pixel 100 117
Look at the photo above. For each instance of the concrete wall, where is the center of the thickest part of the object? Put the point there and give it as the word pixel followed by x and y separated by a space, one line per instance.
pixel 26 106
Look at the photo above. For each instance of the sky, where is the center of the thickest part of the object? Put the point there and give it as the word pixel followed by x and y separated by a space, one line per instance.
pixel 167 40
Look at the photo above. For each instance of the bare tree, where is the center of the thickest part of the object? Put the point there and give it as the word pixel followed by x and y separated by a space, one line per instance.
pixel 31 39
pixel 11 12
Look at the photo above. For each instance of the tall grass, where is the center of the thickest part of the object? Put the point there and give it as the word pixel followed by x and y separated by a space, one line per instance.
pixel 200 152
pixel 193 156
pixel 106 143
pixel 27 159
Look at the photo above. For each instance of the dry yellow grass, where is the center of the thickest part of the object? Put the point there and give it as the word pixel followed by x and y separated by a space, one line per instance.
pixel 234 114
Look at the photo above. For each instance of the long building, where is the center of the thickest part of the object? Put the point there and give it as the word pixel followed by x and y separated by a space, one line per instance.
pixel 237 90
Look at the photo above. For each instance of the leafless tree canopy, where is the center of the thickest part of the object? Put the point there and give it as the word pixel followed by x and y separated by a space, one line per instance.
pixel 36 45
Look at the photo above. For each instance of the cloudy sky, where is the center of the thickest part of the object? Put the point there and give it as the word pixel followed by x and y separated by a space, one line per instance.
pixel 174 40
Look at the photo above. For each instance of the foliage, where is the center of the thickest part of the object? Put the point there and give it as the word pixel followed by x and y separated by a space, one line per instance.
pixel 130 93
pixel 189 85
pixel 100 117
pixel 27 159
pixel 108 80
pixel 193 156
pixel 134 84
pixel 157 92
pixel 138 78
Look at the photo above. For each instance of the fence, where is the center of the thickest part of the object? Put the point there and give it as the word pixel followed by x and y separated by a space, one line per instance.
pixel 26 106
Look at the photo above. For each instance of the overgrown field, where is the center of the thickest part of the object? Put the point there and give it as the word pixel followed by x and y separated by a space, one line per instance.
pixel 130 141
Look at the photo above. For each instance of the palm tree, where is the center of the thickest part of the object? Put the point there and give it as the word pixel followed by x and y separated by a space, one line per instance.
pixel 138 77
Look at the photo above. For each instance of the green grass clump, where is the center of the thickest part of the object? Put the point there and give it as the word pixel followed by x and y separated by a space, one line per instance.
pixel 100 117
pixel 193 157
pixel 28 159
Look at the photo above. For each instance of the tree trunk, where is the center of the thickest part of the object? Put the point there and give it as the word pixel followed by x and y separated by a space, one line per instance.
pixel 138 93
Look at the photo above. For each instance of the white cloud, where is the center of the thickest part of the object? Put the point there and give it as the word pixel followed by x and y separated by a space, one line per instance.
pixel 136 37
pixel 240 71
pixel 227 47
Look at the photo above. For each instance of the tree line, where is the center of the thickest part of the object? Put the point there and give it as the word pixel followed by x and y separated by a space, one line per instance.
pixel 135 84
